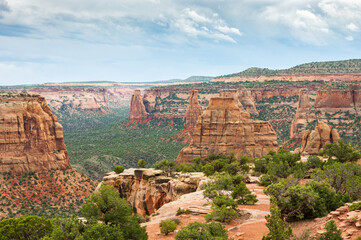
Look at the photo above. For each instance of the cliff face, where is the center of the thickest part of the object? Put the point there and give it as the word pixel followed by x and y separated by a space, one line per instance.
pixel 313 141
pixel 302 117
pixel 223 128
pixel 147 189
pixel 137 108
pixel 337 107
pixel 97 100
pixel 295 78
pixel 194 110
pixel 31 139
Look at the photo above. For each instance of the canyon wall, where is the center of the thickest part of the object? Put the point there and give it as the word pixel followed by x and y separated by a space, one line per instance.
pixel 337 107
pixel 224 127
pixel 146 190
pixel 293 78
pixel 31 139
pixel 93 99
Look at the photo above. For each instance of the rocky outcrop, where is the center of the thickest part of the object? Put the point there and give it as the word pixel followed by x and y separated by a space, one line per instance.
pixel 302 117
pixel 147 189
pixel 137 108
pixel 31 139
pixel 313 141
pixel 223 128
pixel 194 110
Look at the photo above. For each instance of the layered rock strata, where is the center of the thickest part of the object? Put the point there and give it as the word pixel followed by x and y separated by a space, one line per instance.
pixel 194 110
pixel 223 128
pixel 147 189
pixel 137 108
pixel 31 139
pixel 302 117
pixel 313 141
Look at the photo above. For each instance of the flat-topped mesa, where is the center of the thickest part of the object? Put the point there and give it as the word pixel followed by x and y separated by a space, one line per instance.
pixel 313 141
pixel 137 108
pixel 194 110
pixel 302 117
pixel 223 128
pixel 31 139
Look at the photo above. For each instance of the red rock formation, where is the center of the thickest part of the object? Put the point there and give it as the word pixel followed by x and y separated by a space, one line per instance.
pixel 147 189
pixel 247 102
pixel 31 139
pixel 302 117
pixel 313 141
pixel 223 128
pixel 232 93
pixel 137 108
pixel 333 98
pixel 194 110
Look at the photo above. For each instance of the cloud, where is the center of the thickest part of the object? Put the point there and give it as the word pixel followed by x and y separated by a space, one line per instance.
pixel 349 38
pixel 352 27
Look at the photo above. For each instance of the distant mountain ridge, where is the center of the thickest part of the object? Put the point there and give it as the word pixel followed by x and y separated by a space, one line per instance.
pixel 329 67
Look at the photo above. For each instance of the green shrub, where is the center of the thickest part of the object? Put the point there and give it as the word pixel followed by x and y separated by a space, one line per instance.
pixel 208 169
pixel 332 233
pixel 142 163
pixel 224 200
pixel 309 201
pixel 202 231
pixel 344 178
pixel 221 214
pixel 314 162
pixel 182 211
pixel 167 226
pixel 118 169
pixel 341 151
pixel 276 226
pixel 243 195
pixel 354 207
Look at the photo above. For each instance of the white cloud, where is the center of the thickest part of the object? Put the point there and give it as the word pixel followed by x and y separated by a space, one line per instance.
pixel 349 38
pixel 352 27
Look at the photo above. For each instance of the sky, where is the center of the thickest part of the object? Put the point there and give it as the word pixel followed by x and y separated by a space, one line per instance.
pixel 148 40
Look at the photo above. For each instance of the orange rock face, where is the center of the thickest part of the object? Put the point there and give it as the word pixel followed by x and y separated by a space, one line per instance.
pixel 194 110
pixel 223 128
pixel 313 141
pixel 31 139
pixel 302 117
pixel 137 108
pixel 146 190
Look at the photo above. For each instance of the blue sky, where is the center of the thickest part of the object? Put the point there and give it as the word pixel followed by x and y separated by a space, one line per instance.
pixel 146 40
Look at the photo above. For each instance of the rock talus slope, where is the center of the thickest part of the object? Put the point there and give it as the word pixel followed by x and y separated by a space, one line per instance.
pixel 31 139
pixel 223 128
